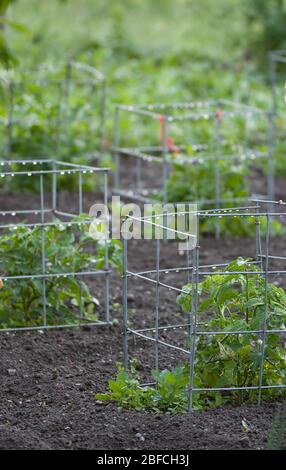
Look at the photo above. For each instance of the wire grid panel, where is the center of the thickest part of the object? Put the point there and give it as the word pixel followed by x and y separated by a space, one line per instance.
pixel 175 339
pixel 65 283
pixel 54 109
pixel 155 141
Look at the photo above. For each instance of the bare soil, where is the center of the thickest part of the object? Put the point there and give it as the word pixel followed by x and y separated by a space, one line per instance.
pixel 49 379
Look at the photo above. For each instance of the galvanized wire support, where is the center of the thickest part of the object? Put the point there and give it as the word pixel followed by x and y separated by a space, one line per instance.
pixel 125 304
pixel 48 213
pixel 167 336
pixel 277 78
pixel 150 140
pixel 56 90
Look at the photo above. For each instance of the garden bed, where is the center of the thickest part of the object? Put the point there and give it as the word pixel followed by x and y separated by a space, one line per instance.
pixel 49 403
pixel 49 381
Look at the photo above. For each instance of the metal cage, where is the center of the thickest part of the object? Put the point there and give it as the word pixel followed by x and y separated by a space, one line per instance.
pixel 173 339
pixel 150 140
pixel 53 109
pixel 46 212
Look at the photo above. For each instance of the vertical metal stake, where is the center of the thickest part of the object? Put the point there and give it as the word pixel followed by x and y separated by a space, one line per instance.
pixel 264 327
pixel 125 306
pixel 157 308
pixel 106 264
pixel 116 178
pixel 43 248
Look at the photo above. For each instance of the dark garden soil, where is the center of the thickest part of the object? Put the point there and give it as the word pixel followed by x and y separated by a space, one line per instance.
pixel 47 401
pixel 48 380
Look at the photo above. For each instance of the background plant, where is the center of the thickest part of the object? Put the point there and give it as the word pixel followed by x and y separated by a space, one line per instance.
pixel 266 19
pixel 132 40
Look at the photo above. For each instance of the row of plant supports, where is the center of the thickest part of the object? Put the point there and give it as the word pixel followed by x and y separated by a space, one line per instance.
pixel 54 109
pixel 219 134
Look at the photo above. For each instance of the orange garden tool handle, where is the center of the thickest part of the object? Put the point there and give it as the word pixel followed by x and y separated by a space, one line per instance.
pixel 172 147
pixel 162 119
pixel 219 114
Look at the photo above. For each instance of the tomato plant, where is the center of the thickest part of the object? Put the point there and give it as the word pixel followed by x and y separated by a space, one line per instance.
pixel 68 249
pixel 236 302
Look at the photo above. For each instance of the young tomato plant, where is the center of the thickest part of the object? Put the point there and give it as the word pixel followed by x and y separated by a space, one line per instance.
pixel 169 396
pixel 236 302
pixel 67 249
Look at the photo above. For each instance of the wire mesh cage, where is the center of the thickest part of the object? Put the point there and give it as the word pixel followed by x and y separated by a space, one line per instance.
pixel 54 109
pixel 204 152
pixel 218 324
pixel 54 274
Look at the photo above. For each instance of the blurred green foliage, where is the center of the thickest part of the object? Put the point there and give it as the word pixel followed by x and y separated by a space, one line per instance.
pixel 7 58
pixel 5 53
pixel 150 51
pixel 267 19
